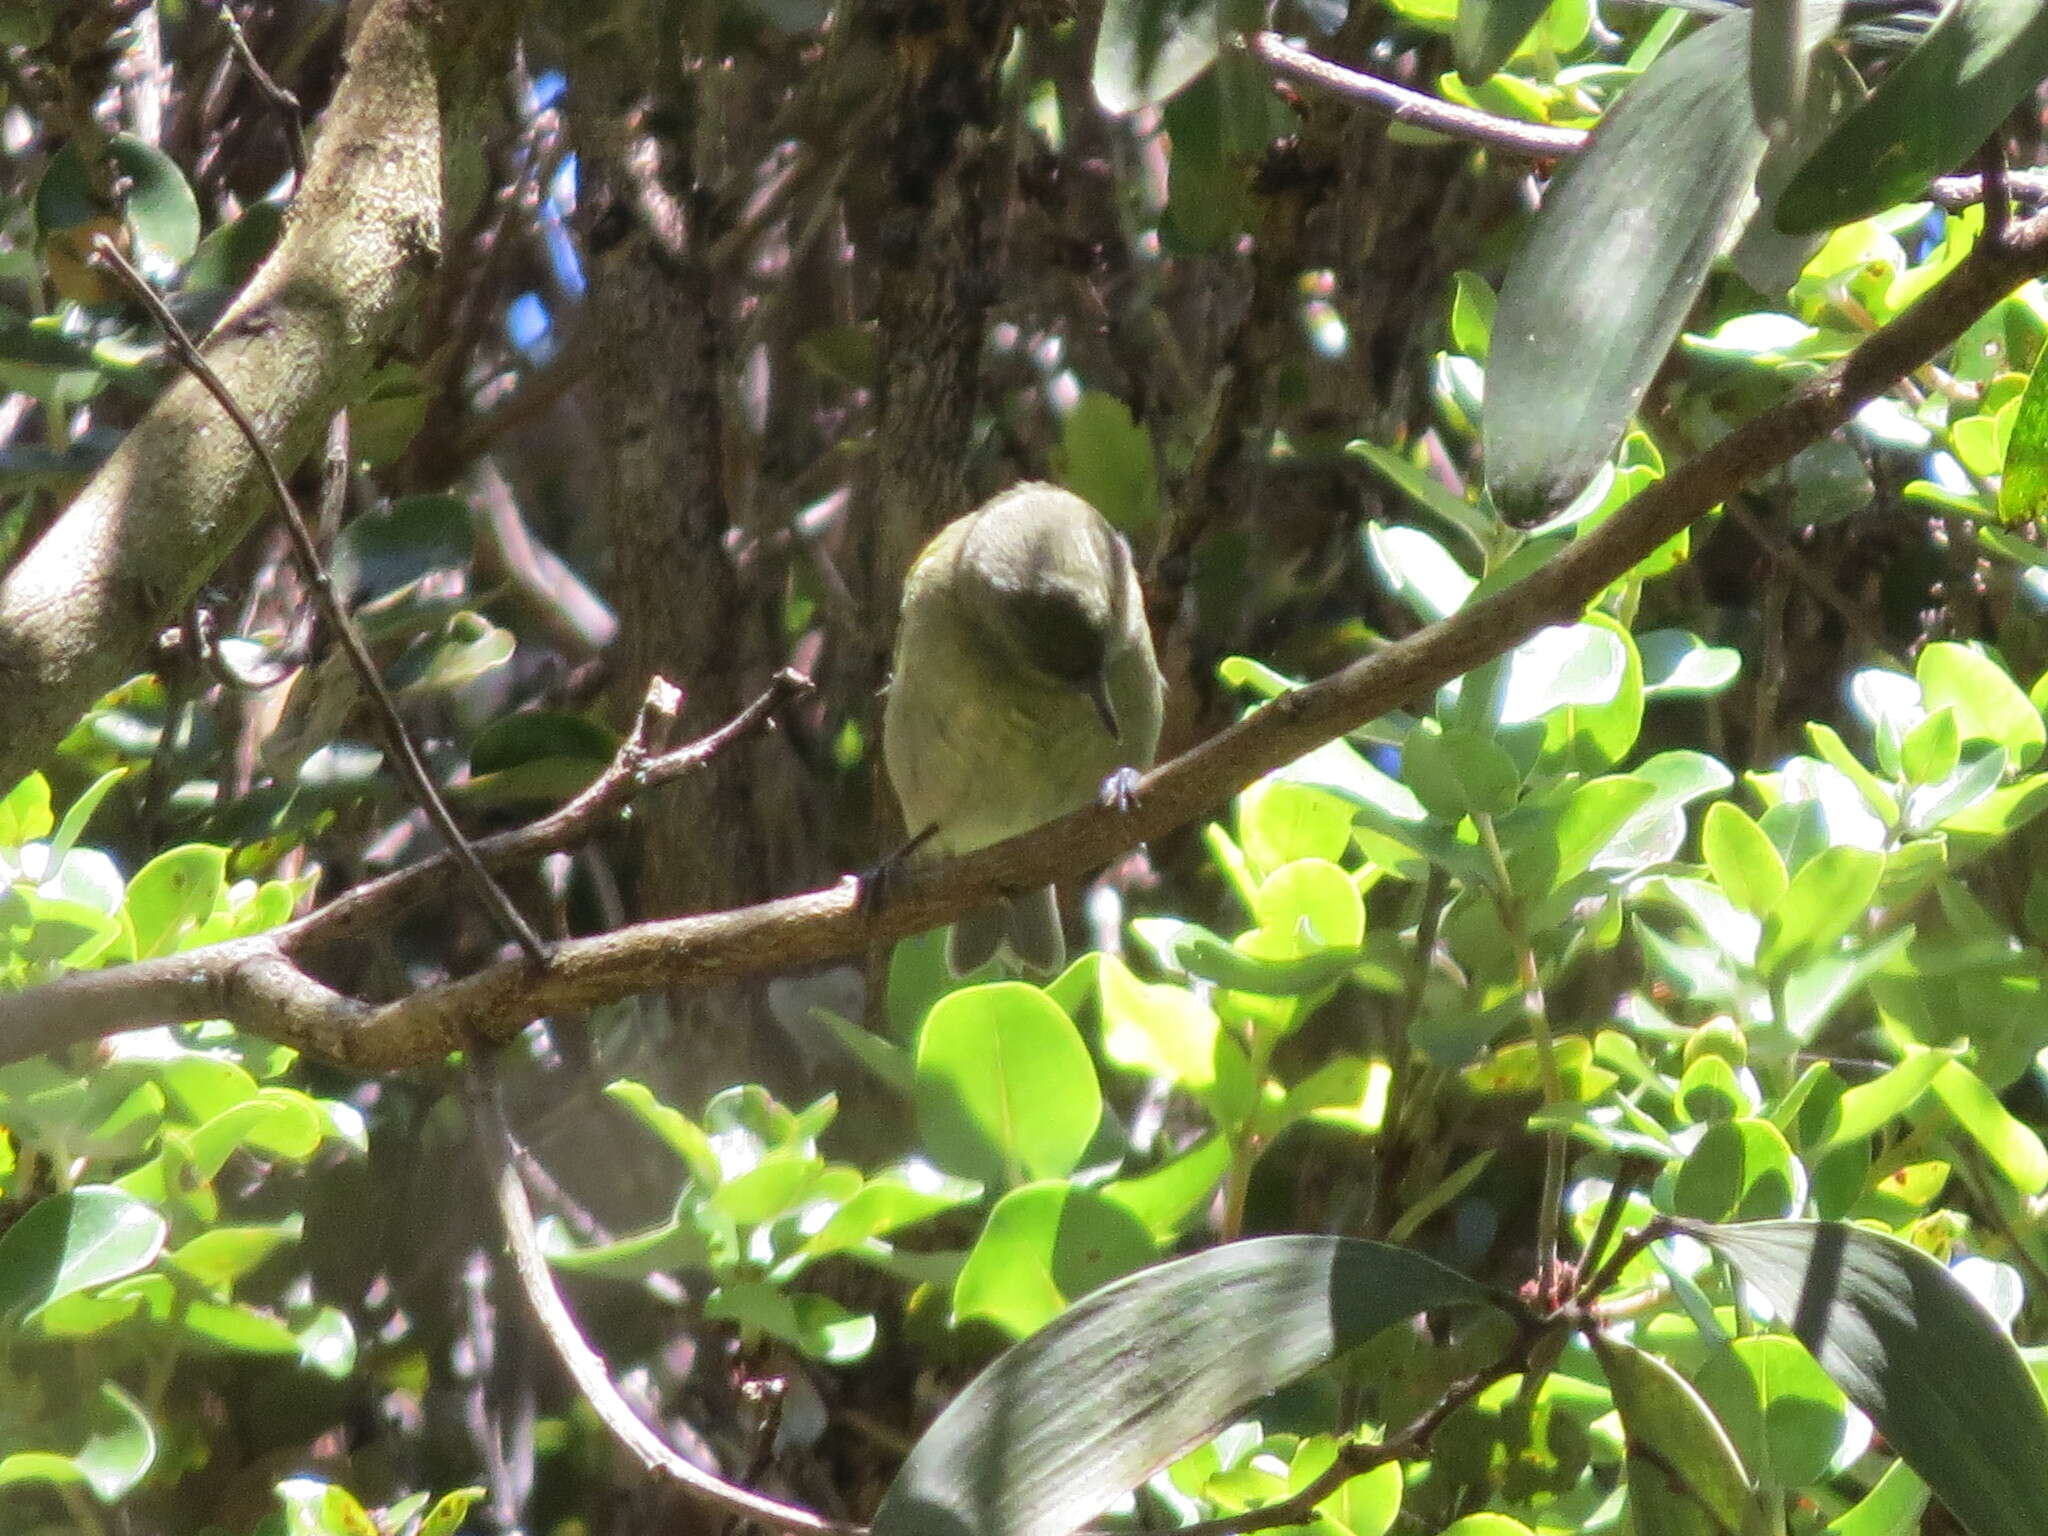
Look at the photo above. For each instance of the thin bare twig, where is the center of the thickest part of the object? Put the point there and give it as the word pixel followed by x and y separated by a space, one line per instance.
pixel 314 570
pixel 1537 141
pixel 1532 141
pixel 500 1151
pixel 1413 1441
pixel 286 103
pixel 1773 542
pixel 638 765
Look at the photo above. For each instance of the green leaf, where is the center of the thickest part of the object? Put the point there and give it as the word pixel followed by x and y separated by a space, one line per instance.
pixel 1458 773
pixel 1147 50
pixel 775 1185
pixel 316 1508
pixel 115 1447
pixel 1681 664
pixel 887 1203
pixel 1046 1246
pixel 1915 1351
pixel 543 754
pixel 676 1244
pixel 2023 480
pixel 1972 784
pixel 1988 704
pixel 1786 1417
pixel 1418 571
pixel 72 827
pixel 1784 34
pixel 449 1511
pixel 1892 1507
pixel 1863 1109
pixel 1830 895
pixel 1424 492
pixel 1930 750
pixel 1564 666
pixel 1063 1424
pixel 1106 459
pixel 1365 1505
pixel 227 257
pixel 1473 303
pixel 1742 860
pixel 817 1325
pixel 1489 31
pixel 74 1241
pixel 1005 1091
pixel 1160 1030
pixel 1597 293
pixel 682 1135
pixel 1173 1194
pixel 2010 1144
pixel 1308 906
pixel 389 548
pixel 277 1122
pixel 327 1343
pixel 220 1256
pixel 1927 116
pixel 25 812
pixel 174 891
pixel 1684 1478
pixel 159 204
pixel 1279 822
pixel 1741 1169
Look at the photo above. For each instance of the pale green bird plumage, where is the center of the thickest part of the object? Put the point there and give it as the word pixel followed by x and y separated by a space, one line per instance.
pixel 1022 638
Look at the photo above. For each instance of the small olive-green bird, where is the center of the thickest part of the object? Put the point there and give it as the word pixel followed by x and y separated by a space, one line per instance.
pixel 1025 683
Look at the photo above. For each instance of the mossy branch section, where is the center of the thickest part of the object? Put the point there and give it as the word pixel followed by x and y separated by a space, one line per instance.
pixel 81 609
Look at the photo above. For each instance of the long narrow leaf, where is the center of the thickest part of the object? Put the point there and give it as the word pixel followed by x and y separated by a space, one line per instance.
pixel 1915 1351
pixel 1929 115
pixel 1066 1422
pixel 1783 35
pixel 1489 31
pixel 1684 1476
pixel 1597 293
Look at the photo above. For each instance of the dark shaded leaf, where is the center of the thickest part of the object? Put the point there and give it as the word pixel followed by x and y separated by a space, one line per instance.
pixel 1927 116
pixel 1489 31
pixel 1783 35
pixel 74 1241
pixel 1684 1478
pixel 1148 50
pixel 1599 290
pixel 1066 1422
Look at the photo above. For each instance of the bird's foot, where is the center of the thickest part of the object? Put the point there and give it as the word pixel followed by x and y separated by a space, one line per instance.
pixel 876 880
pixel 1119 791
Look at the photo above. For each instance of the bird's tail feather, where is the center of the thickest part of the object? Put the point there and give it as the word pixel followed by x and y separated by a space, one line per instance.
pixel 1026 927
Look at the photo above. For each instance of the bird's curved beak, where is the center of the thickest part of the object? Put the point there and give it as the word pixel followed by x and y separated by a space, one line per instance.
pixel 1098 695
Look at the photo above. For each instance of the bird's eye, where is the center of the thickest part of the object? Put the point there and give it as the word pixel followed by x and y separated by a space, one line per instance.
pixel 1056 636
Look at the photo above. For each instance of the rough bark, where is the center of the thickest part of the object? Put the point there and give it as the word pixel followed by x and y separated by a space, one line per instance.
pixel 687 611
pixel 948 182
pixel 80 610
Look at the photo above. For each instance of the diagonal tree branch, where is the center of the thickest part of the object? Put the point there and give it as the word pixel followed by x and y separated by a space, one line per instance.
pixel 254 983
pixel 80 609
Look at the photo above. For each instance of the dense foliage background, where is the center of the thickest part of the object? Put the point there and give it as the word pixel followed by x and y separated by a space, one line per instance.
pixel 1664 996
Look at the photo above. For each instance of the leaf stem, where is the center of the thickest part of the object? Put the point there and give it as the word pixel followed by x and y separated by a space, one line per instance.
pixel 1549 1215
